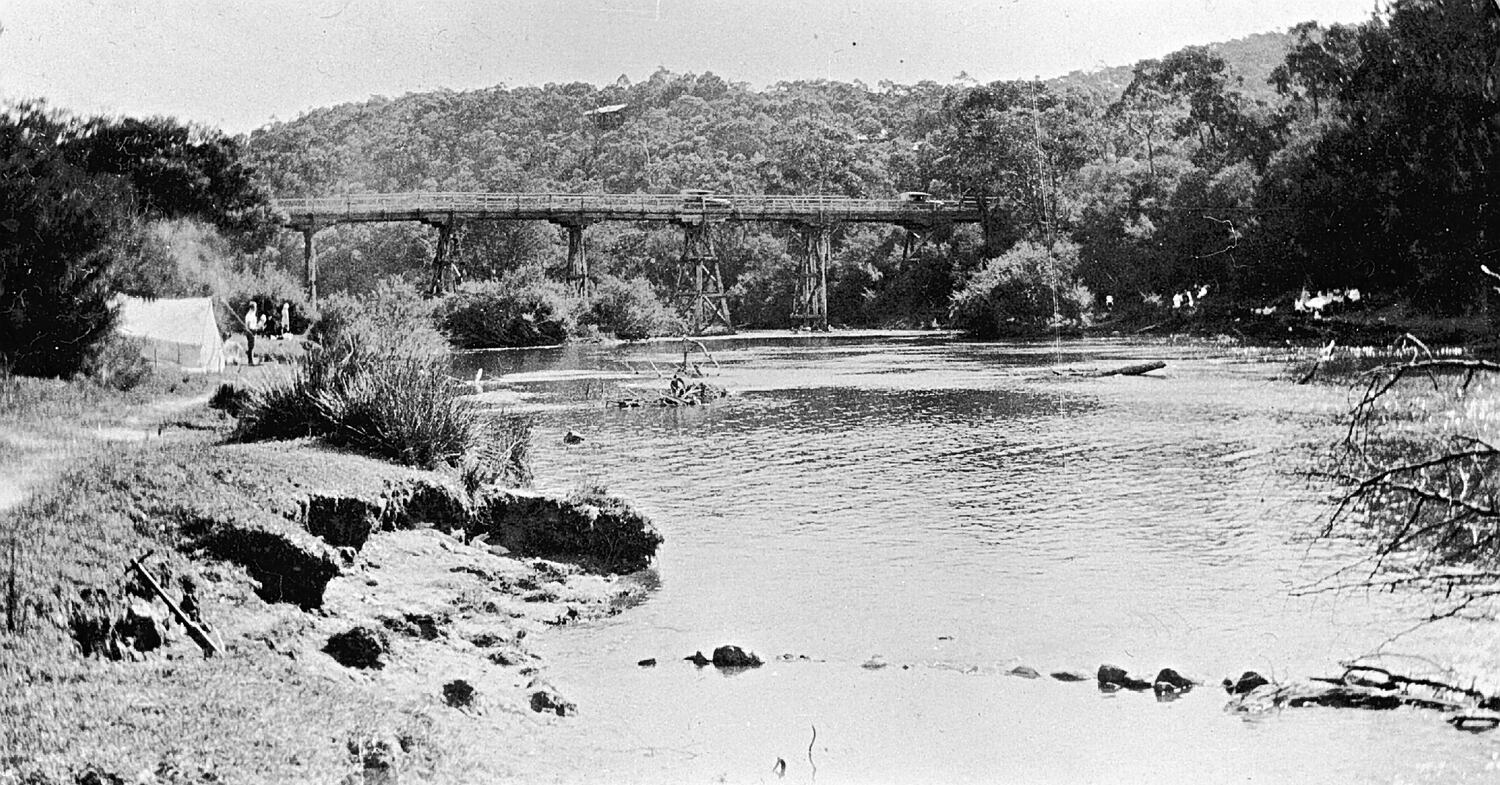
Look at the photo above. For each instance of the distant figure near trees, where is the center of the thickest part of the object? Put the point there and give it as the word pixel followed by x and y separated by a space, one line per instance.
pixel 253 324
pixel 286 318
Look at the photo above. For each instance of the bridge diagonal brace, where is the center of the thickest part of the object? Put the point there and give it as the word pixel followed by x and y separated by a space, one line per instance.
pixel 700 286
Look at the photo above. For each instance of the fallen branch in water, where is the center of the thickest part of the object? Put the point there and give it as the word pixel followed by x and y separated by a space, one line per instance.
pixel 1127 370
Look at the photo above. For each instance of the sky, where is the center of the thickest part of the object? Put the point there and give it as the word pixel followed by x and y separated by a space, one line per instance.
pixel 240 64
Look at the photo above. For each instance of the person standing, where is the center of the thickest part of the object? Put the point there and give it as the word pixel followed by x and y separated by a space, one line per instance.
pixel 252 326
pixel 286 318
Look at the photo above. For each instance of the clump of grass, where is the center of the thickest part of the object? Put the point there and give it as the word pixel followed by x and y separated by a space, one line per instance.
pixel 370 386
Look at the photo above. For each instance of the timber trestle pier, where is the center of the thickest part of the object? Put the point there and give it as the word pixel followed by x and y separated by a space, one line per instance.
pixel 699 283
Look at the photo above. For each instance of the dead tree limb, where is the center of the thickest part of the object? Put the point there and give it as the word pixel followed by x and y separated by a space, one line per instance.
pixel 194 630
pixel 1128 370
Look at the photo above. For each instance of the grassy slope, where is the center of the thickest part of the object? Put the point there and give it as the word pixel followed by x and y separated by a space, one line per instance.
pixel 275 707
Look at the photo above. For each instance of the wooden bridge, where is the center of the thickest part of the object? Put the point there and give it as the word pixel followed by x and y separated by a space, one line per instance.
pixel 698 279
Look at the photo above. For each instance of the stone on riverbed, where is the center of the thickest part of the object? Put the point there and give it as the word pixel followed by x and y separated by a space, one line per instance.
pixel 1247 681
pixel 735 657
pixel 1113 677
pixel 1475 720
pixel 1170 682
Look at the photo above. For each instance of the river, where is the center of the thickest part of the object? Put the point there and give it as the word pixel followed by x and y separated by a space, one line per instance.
pixel 949 510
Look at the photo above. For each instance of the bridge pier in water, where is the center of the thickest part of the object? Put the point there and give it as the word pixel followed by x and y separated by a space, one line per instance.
pixel 811 306
pixel 699 283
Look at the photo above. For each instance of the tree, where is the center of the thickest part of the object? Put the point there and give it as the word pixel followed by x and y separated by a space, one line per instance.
pixel 1010 146
pixel 1403 182
pixel 179 171
pixel 56 223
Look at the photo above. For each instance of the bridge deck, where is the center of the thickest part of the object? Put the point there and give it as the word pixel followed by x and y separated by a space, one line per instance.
pixel 588 208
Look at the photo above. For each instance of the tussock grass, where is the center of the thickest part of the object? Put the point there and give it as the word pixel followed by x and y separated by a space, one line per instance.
pixel 376 380
pixel 403 408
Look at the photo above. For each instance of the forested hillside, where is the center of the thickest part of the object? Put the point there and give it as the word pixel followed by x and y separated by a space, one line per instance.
pixel 1323 158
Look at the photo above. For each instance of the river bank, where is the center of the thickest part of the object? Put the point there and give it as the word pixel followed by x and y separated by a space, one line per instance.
pixel 908 516
pixel 384 606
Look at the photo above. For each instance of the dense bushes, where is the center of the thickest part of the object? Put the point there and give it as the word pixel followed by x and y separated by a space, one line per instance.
pixel 629 310
pixel 394 319
pixel 55 259
pixel 521 308
pixel 1029 286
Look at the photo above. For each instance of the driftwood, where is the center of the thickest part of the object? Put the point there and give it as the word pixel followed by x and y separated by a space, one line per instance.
pixel 1127 370
pixel 194 630
pixel 687 395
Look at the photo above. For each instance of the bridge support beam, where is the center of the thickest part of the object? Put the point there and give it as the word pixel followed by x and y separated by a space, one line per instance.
pixel 700 287
pixel 811 306
pixel 443 268
pixel 310 263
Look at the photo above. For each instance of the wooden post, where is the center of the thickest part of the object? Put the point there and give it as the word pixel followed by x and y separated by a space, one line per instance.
pixel 578 260
pixel 811 307
pixel 310 264
pixel 440 256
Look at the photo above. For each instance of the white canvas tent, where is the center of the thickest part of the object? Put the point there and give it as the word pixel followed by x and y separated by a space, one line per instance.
pixel 182 331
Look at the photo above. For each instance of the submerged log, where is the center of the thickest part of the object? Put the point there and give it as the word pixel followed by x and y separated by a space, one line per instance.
pixel 1129 370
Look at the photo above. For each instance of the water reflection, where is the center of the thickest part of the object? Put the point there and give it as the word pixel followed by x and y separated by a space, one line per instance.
pixel 956 507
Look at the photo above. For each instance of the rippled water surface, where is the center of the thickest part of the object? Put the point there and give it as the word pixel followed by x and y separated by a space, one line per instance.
pixel 955 509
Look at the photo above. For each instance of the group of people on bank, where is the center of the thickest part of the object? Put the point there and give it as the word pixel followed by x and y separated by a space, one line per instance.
pixel 257 323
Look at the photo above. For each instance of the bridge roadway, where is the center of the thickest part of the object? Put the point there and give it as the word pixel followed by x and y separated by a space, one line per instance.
pixel 590 208
pixel 699 282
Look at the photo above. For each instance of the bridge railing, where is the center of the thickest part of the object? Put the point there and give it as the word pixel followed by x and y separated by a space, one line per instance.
pixel 737 206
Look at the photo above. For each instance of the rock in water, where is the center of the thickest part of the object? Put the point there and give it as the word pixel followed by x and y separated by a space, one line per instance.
pixel 1475 720
pixel 1247 681
pixel 649 662
pixel 698 659
pixel 1068 676
pixel 1113 677
pixel 1025 672
pixel 572 437
pixel 734 657
pixel 1170 682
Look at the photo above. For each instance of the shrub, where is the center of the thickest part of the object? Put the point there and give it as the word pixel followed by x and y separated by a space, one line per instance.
pixel 118 362
pixel 1031 286
pixel 522 308
pixel 630 310
pixel 395 319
